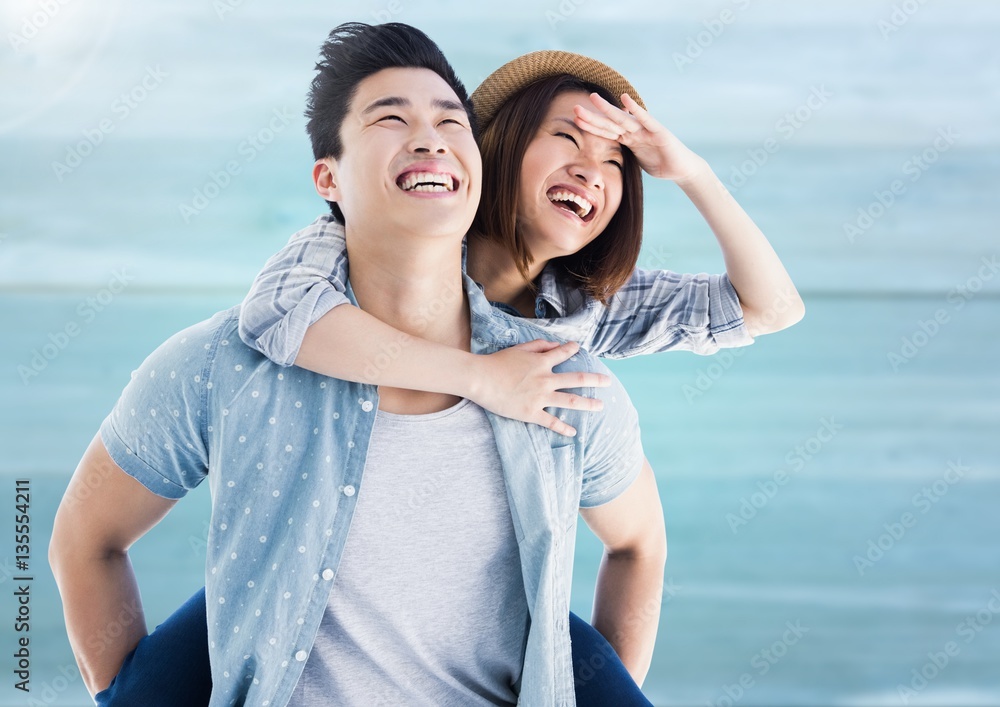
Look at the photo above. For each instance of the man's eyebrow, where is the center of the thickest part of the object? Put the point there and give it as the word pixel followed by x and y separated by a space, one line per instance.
pixel 397 101
pixel 447 104
pixel 385 102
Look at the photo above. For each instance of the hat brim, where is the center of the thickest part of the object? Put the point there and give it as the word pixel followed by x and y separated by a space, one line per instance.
pixel 497 88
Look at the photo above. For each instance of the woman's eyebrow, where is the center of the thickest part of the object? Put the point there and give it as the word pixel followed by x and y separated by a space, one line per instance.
pixel 569 122
pixel 615 146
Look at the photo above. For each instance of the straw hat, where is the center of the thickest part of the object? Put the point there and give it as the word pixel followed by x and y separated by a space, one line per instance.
pixel 510 78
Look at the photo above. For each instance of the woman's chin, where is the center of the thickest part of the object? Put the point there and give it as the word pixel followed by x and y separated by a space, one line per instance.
pixel 555 243
pixel 548 250
pixel 565 246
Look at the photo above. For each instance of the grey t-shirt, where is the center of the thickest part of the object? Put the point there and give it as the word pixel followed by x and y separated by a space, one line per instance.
pixel 428 606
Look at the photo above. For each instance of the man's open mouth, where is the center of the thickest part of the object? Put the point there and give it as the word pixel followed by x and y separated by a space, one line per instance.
pixel 427 181
pixel 574 203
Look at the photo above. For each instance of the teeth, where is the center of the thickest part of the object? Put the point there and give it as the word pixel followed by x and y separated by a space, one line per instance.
pixel 584 205
pixel 427 181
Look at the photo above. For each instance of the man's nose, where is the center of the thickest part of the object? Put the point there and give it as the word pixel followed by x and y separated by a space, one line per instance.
pixel 427 139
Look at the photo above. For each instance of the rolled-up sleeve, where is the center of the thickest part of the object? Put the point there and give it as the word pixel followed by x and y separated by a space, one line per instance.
pixel 660 310
pixel 298 285
pixel 725 316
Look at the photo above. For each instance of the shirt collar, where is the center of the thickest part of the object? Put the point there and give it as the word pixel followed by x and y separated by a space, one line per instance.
pixel 550 293
pixel 549 303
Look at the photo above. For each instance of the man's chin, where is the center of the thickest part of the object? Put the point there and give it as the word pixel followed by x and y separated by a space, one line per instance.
pixel 439 229
pixel 431 219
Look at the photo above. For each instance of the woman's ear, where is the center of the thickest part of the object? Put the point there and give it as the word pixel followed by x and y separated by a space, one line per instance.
pixel 325 179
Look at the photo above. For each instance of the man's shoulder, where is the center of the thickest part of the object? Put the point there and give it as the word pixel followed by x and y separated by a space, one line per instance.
pixel 208 331
pixel 198 345
pixel 618 408
pixel 617 403
pixel 583 360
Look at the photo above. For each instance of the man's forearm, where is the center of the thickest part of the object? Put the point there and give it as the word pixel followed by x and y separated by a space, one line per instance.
pixel 103 611
pixel 765 289
pixel 627 607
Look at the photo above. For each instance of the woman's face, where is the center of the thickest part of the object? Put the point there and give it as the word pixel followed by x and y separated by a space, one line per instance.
pixel 571 183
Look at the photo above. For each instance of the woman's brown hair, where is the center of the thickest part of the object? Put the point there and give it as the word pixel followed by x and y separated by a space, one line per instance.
pixel 602 266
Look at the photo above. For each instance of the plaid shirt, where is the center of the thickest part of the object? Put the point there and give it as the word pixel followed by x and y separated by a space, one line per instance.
pixel 656 310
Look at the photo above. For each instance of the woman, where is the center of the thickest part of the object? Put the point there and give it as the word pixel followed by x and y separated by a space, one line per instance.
pixel 557 236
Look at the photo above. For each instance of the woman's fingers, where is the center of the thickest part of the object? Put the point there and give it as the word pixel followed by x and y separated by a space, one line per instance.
pixel 625 121
pixel 607 133
pixel 526 386
pixel 571 401
pixel 567 401
pixel 562 352
pixel 574 379
pixel 603 122
pixel 540 346
pixel 580 379
pixel 555 424
pixel 611 111
pixel 640 114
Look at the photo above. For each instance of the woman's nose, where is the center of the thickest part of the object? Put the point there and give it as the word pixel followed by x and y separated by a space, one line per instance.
pixel 589 174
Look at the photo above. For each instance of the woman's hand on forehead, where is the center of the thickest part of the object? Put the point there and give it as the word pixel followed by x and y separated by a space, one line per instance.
pixel 659 151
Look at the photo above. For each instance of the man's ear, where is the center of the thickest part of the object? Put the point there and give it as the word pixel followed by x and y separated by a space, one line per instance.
pixel 325 179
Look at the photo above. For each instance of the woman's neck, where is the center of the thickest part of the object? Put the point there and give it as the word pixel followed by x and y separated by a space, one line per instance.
pixel 489 264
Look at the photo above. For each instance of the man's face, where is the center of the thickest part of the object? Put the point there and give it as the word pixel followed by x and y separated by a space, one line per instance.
pixel 410 163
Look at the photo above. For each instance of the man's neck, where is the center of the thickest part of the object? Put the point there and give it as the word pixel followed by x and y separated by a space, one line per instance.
pixel 489 264
pixel 416 286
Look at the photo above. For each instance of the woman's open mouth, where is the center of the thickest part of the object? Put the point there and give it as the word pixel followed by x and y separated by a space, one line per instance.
pixel 572 202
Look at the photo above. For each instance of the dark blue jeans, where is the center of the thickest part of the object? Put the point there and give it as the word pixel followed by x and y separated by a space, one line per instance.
pixel 169 667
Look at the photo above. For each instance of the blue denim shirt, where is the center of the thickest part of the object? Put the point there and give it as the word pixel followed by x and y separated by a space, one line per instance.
pixel 284 452
pixel 656 310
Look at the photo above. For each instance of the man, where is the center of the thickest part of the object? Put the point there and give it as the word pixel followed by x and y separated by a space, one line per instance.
pixel 460 599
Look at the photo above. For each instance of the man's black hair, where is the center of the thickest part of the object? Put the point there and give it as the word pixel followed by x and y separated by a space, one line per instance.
pixel 353 52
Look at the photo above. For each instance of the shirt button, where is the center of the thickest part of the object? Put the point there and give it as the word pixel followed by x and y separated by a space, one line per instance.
pixel 367 406
pixel 348 490
pixel 327 574
pixel 512 334
pixel 301 655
